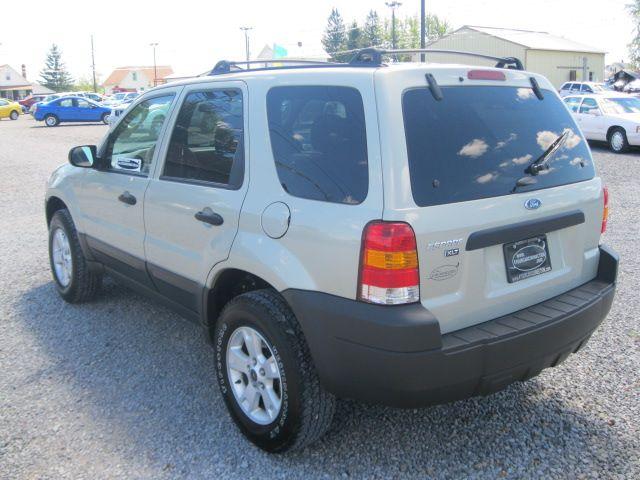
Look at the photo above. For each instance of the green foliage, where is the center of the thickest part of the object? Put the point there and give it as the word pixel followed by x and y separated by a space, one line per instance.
pixel 85 84
pixel 354 36
pixel 634 46
pixel 377 33
pixel 372 32
pixel 335 36
pixel 55 75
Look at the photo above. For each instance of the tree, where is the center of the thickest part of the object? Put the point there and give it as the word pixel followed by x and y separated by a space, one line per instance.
pixel 634 46
pixel 354 36
pixel 335 36
pixel 55 75
pixel 372 32
pixel 435 28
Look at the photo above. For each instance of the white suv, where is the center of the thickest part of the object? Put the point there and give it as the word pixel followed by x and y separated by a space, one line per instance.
pixel 400 234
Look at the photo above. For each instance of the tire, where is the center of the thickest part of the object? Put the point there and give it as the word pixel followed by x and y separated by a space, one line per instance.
pixel 618 142
pixel 306 409
pixel 51 120
pixel 82 284
pixel 14 115
pixel 105 118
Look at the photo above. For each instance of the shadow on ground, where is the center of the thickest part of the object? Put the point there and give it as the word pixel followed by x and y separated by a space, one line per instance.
pixel 148 377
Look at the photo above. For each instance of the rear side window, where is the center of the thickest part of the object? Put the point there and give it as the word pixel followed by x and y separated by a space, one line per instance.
pixel 589 105
pixel 206 143
pixel 477 142
pixel 573 103
pixel 319 142
pixel 587 88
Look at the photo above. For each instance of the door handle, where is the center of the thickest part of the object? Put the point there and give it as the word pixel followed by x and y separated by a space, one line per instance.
pixel 207 215
pixel 127 198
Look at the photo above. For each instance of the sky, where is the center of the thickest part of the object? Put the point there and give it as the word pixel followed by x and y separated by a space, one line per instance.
pixel 193 35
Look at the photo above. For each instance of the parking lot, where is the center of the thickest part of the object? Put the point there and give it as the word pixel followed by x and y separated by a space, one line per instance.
pixel 122 388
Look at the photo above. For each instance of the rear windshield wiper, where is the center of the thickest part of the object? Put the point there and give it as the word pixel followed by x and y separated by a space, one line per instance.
pixel 542 162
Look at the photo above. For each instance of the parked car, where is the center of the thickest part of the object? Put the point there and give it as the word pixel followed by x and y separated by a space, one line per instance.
pixel 395 234
pixel 71 109
pixel 96 97
pixel 118 98
pixel 30 100
pixel 581 88
pixel 9 109
pixel 613 118
pixel 632 87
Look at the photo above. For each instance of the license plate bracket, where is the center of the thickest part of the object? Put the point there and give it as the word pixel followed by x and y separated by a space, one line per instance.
pixel 526 258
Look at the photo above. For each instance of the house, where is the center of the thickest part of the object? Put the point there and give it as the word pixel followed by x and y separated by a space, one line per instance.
pixel 136 78
pixel 13 85
pixel 557 58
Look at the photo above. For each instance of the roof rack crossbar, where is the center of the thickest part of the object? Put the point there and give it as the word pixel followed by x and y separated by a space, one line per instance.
pixel 228 66
pixel 373 56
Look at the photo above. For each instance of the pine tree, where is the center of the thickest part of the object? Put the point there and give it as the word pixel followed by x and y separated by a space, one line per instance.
pixel 335 36
pixel 634 46
pixel 55 75
pixel 354 36
pixel 372 32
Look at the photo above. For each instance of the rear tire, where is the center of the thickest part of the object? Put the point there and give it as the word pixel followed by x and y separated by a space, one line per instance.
pixel 14 115
pixel 618 142
pixel 73 279
pixel 105 118
pixel 305 409
pixel 51 120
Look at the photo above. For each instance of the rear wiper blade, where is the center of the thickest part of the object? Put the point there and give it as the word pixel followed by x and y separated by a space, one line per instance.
pixel 542 162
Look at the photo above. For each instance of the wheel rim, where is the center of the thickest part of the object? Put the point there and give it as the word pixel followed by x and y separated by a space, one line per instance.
pixel 14 115
pixel 254 375
pixel 61 254
pixel 617 141
pixel 51 121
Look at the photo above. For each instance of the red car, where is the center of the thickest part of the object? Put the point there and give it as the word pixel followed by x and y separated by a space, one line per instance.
pixel 30 100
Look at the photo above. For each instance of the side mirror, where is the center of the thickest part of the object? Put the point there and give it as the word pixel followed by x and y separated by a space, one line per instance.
pixel 84 156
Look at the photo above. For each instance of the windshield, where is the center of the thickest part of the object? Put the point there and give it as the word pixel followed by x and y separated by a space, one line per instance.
pixel 621 105
pixel 477 142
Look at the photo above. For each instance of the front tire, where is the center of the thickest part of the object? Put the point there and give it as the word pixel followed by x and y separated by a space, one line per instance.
pixel 618 142
pixel 73 279
pixel 51 121
pixel 266 374
pixel 14 115
pixel 105 118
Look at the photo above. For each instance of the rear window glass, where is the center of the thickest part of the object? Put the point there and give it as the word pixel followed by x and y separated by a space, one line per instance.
pixel 477 142
pixel 319 142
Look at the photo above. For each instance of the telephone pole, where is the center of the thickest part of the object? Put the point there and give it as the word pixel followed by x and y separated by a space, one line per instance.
pixel 246 41
pixel 93 67
pixel 155 68
pixel 393 5
pixel 423 28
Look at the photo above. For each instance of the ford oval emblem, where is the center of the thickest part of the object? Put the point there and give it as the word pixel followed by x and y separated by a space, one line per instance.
pixel 532 204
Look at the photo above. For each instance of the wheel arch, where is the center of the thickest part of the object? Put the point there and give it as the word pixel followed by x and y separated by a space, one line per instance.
pixel 52 205
pixel 612 128
pixel 228 284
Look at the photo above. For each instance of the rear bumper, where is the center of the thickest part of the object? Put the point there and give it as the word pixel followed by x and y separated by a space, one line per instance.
pixel 395 355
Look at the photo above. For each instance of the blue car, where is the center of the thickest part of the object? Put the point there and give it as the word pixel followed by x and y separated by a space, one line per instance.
pixel 71 109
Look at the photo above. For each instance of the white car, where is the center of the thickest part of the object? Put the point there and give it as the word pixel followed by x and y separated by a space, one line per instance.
pixel 613 118
pixel 581 88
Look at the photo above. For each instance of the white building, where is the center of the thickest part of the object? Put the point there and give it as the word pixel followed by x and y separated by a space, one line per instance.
pixel 557 58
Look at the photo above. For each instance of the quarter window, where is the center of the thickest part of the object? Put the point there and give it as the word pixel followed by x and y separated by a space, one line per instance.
pixel 207 140
pixel 573 103
pixel 132 143
pixel 319 142
pixel 589 105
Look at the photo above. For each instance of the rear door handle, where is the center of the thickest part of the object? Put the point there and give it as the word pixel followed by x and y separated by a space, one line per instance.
pixel 207 215
pixel 127 198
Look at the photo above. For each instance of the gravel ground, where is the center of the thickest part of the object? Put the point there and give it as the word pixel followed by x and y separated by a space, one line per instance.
pixel 121 388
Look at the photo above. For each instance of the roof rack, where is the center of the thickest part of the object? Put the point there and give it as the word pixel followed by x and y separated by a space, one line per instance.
pixel 229 66
pixel 373 57
pixel 366 57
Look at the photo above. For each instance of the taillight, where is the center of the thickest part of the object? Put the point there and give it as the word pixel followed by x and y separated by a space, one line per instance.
pixel 605 212
pixel 389 273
